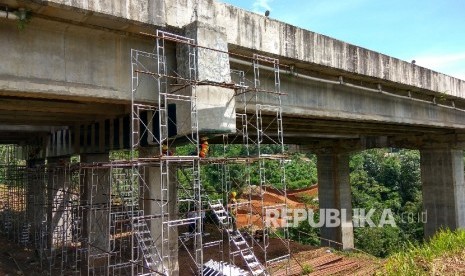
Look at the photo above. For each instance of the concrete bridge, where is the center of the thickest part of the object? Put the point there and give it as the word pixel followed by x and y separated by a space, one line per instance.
pixel 65 88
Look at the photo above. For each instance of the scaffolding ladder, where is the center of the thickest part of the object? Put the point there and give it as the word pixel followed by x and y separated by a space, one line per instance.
pixel 146 244
pixel 237 239
pixel 269 129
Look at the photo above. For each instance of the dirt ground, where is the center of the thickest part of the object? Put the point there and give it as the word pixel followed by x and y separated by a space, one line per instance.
pixel 275 249
pixel 322 261
pixel 17 260
pixel 271 197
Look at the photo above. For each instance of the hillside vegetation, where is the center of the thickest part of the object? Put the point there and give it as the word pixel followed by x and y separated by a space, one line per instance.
pixel 444 254
pixel 380 179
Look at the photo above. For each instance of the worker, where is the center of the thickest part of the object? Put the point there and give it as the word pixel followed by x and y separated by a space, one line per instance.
pixel 204 148
pixel 232 208
pixel 165 150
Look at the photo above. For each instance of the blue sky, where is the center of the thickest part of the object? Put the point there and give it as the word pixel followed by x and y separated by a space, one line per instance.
pixel 432 32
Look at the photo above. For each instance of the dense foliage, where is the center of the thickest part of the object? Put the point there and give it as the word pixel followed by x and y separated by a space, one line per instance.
pixel 387 179
pixel 300 170
pixel 441 255
pixel 10 155
pixel 381 179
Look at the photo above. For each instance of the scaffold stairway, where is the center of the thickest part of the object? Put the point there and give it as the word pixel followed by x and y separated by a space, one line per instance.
pixel 236 238
pixel 147 245
pixel 7 220
pixel 214 268
pixel 24 235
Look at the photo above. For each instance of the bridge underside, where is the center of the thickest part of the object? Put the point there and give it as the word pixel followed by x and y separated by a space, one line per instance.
pixel 24 118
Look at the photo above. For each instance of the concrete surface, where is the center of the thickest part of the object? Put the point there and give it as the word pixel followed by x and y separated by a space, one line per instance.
pixel 253 31
pixel 68 61
pixel 334 193
pixel 70 68
pixel 96 183
pixel 90 79
pixel 442 177
pixel 152 206
pixel 216 111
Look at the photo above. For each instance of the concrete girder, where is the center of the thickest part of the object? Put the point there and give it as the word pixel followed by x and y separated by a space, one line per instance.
pixel 300 47
pixel 61 106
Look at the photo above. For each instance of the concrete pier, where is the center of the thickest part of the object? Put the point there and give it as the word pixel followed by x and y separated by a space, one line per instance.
pixel 96 228
pixel 68 87
pixel 151 203
pixel 59 217
pixel 334 193
pixel 442 177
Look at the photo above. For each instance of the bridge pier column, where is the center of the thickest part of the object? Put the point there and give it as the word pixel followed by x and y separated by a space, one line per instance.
pixel 334 195
pixel 151 206
pixel 96 217
pixel 36 195
pixel 442 177
pixel 216 107
pixel 58 216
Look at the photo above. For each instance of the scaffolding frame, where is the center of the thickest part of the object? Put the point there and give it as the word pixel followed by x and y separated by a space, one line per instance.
pixel 99 218
pixel 166 160
pixel 258 101
pixel 274 106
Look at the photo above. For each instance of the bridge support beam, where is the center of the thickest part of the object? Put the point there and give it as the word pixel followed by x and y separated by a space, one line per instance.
pixel 96 225
pixel 442 177
pixel 334 195
pixel 151 206
pixel 58 219
pixel 216 111
pixel 36 195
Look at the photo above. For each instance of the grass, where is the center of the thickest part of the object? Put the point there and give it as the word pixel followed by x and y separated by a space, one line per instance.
pixel 443 254
pixel 307 269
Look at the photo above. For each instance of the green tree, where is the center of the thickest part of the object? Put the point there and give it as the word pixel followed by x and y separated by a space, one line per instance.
pixel 387 179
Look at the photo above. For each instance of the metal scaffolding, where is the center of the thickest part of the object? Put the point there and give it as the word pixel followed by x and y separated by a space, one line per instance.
pixel 158 129
pixel 271 132
pixel 13 195
pixel 259 130
pixel 133 216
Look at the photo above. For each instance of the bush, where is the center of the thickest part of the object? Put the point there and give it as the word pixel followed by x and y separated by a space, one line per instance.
pixel 426 259
pixel 307 269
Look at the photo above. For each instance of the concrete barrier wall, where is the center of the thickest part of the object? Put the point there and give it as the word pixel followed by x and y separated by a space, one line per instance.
pixel 259 33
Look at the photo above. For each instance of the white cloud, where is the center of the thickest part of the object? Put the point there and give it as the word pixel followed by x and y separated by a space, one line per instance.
pixel 261 5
